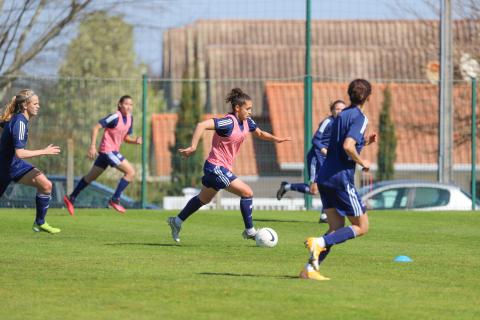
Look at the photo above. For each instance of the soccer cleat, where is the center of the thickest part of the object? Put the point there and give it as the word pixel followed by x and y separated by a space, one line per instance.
pixel 311 274
pixel 45 227
pixel 115 204
pixel 315 249
pixel 247 235
pixel 281 191
pixel 69 205
pixel 175 229
pixel 323 218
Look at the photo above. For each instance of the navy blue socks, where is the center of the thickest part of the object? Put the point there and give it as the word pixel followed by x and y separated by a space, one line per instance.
pixel 246 206
pixel 300 187
pixel 193 205
pixel 339 236
pixel 42 201
pixel 80 186
pixel 122 184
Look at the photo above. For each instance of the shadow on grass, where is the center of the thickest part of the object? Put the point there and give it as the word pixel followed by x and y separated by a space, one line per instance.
pixel 275 220
pixel 229 274
pixel 142 244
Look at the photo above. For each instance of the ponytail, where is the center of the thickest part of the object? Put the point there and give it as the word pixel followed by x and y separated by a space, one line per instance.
pixel 8 111
pixel 16 104
pixel 237 97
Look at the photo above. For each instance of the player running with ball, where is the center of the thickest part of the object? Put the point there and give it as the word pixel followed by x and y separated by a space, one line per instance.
pixel 230 132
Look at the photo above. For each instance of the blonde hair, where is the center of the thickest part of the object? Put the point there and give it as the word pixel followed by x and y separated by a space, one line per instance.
pixel 16 104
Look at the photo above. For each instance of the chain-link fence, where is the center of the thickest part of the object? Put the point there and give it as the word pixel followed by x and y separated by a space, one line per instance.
pixel 259 46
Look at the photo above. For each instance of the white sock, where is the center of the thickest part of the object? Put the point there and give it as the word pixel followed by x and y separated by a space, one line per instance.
pixel 287 187
pixel 178 221
pixel 251 231
pixel 321 242
pixel 309 267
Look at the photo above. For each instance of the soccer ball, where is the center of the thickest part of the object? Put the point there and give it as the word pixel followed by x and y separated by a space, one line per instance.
pixel 266 237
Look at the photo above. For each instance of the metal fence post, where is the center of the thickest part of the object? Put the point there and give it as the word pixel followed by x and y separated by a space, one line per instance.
pixel 144 144
pixel 474 142
pixel 307 102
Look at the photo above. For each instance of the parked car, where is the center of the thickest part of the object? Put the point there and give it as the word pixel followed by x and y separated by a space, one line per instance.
pixel 96 195
pixel 415 195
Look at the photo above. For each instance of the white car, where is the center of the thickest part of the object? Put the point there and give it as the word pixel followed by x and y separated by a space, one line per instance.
pixel 415 195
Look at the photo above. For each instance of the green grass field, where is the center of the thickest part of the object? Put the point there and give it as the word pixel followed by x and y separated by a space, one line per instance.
pixel 107 266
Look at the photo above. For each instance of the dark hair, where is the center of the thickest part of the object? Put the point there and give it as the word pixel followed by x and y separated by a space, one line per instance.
pixel 125 97
pixel 237 97
pixel 334 103
pixel 359 90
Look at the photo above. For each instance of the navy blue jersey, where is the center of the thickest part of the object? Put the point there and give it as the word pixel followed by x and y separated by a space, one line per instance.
pixel 338 169
pixel 224 126
pixel 321 138
pixel 14 136
pixel 111 121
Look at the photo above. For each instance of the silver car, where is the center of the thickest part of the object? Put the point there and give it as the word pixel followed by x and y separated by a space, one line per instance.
pixel 415 195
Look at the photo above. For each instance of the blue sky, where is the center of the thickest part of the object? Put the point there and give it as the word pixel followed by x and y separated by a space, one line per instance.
pixel 180 12
pixel 152 17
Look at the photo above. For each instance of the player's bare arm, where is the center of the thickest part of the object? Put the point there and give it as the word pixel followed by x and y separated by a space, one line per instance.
pixel 372 138
pixel 133 140
pixel 349 147
pixel 49 150
pixel 92 151
pixel 197 135
pixel 263 135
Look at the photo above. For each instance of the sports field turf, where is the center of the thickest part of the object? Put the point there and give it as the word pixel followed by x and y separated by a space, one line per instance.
pixel 107 266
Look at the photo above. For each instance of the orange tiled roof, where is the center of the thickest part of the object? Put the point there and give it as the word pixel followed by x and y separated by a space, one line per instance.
pixel 274 49
pixel 163 134
pixel 414 112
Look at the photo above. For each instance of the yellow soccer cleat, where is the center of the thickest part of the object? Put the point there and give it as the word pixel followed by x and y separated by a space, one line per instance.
pixel 315 248
pixel 310 274
pixel 45 227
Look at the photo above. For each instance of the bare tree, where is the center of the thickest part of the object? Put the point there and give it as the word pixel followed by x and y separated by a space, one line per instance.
pixel 28 26
pixel 462 9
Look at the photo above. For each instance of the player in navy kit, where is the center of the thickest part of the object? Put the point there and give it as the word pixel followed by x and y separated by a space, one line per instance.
pixel 13 142
pixel 316 156
pixel 336 179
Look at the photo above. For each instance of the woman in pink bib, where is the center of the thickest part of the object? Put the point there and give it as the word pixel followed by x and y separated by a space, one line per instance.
pixel 118 129
pixel 230 132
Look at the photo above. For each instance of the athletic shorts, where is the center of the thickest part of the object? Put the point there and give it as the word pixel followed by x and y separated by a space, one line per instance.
pixel 113 159
pixel 18 169
pixel 216 177
pixel 347 201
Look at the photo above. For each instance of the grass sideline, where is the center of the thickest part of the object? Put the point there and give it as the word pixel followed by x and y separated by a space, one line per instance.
pixel 107 266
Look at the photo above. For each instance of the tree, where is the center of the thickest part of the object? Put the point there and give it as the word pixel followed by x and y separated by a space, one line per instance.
pixel 103 49
pixel 23 34
pixel 99 67
pixel 388 143
pixel 187 172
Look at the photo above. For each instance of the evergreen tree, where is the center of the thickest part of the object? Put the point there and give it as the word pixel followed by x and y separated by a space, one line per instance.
pixel 187 172
pixel 103 48
pixel 387 145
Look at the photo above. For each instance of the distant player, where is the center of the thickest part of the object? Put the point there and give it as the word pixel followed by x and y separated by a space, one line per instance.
pixel 230 132
pixel 13 142
pixel 118 128
pixel 315 156
pixel 336 180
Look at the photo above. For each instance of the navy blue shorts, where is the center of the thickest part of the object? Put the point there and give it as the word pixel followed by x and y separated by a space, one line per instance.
pixel 216 177
pixel 347 201
pixel 18 169
pixel 113 159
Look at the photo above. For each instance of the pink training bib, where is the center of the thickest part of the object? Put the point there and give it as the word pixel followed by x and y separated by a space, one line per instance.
pixel 113 137
pixel 225 149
